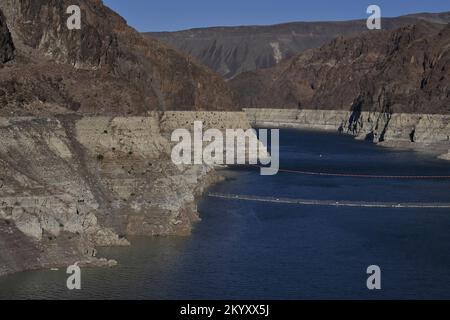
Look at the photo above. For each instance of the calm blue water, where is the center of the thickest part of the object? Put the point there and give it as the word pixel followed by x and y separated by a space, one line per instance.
pixel 246 250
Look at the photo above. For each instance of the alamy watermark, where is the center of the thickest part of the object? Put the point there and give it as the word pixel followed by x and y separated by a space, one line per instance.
pixel 74 280
pixel 238 146
pixel 74 20
pixel 374 280
pixel 374 20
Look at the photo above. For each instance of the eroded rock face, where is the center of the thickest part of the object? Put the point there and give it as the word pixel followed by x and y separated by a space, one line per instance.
pixel 62 70
pixel 84 160
pixel 71 184
pixel 405 70
pixel 373 126
pixel 6 43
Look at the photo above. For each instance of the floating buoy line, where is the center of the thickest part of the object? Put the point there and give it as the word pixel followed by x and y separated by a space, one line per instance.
pixel 333 203
pixel 366 176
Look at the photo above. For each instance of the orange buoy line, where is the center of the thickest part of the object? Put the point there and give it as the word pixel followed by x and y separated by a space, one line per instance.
pixel 354 175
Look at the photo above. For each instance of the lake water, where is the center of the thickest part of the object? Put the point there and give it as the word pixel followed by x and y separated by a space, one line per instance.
pixel 251 250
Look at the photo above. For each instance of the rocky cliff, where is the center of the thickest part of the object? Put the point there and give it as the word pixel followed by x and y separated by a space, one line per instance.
pixel 84 156
pixel 58 70
pixel 428 133
pixel 233 50
pixel 402 71
pixel 373 126
pixel 70 184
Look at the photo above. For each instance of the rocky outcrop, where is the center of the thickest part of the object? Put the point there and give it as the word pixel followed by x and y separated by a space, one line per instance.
pixel 401 71
pixel 234 50
pixel 6 44
pixel 58 70
pixel 70 184
pixel 445 156
pixel 391 130
pixel 84 158
pixel 374 126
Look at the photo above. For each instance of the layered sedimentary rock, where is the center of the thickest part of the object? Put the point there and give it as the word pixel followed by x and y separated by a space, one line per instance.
pixel 373 126
pixel 84 159
pixel 391 130
pixel 233 50
pixel 243 140
pixel 70 184
pixel 401 71
pixel 216 119
pixel 57 70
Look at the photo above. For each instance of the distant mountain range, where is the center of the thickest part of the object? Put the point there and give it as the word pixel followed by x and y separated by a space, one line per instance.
pixel 403 70
pixel 233 50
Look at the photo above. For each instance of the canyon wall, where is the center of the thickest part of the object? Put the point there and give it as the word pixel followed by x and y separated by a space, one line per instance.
pixel 406 70
pixel 85 154
pixel 398 129
pixel 69 184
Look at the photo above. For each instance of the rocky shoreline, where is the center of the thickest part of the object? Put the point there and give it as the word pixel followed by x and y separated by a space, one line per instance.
pixel 85 151
pixel 71 184
pixel 422 132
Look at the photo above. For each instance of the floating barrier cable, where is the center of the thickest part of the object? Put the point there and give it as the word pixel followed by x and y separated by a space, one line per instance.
pixel 355 175
pixel 332 203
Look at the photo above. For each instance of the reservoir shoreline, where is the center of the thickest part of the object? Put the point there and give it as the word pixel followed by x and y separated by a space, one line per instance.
pixel 242 247
pixel 100 135
pixel 429 133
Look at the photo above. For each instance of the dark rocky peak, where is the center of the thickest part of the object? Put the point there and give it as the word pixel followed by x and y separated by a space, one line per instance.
pixel 41 25
pixel 104 41
pixel 404 70
pixel 107 55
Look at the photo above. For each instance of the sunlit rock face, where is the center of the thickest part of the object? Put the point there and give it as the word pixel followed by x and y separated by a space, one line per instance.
pixel 408 127
pixel 401 71
pixel 84 157
pixel 64 70
pixel 71 184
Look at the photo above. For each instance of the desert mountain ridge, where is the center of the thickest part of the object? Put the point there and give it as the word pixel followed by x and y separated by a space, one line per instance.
pixel 233 50
pixel 393 71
